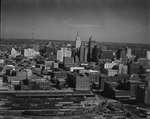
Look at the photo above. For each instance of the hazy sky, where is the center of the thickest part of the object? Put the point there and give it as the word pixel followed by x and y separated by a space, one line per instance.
pixel 105 20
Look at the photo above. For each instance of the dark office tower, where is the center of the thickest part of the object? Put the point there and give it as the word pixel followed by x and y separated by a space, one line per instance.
pixel 118 54
pixel 106 54
pixel 82 53
pixel 95 54
pixel 91 45
pixel 49 49
pixel 133 68
pixel 143 95
pixel 85 53
pixel 132 86
pixel 123 56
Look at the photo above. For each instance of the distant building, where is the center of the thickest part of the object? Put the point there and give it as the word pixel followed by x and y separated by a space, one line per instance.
pixel 91 45
pixel 36 47
pixel 132 86
pixel 49 49
pixel 133 68
pixel 118 54
pixel 129 53
pixel 122 69
pixel 148 55
pixel 79 81
pixel 76 59
pixel 67 60
pixel 48 64
pixel 78 41
pixel 144 61
pixel 95 54
pixel 106 54
pixel 83 53
pixel 143 95
pixel 111 72
pixel 105 78
pixel 93 76
pixel 14 52
pixel 123 56
pixel 64 52
pixel 30 52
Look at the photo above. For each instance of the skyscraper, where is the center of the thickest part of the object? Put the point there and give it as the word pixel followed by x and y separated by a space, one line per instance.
pixel 83 53
pixel 95 54
pixel 123 56
pixel 48 48
pixel 129 53
pixel 78 41
pixel 64 52
pixel 91 45
pixel 118 53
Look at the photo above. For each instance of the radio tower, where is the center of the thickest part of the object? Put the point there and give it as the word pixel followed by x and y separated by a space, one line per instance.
pixel 1 34
pixel 33 33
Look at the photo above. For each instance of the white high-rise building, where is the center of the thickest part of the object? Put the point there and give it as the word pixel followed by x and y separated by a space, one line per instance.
pixel 15 53
pixel 26 54
pixel 129 53
pixel 59 55
pixel 30 52
pixel 64 52
pixel 148 55
pixel 78 41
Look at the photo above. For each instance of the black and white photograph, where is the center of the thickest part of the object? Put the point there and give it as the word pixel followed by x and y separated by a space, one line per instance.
pixel 75 59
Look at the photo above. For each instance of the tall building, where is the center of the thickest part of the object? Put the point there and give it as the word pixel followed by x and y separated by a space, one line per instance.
pixel 91 45
pixel 48 48
pixel 143 95
pixel 129 53
pixel 83 53
pixel 133 68
pixel 95 54
pixel 64 52
pixel 30 52
pixel 118 53
pixel 148 55
pixel 78 81
pixel 123 56
pixel 132 86
pixel 78 41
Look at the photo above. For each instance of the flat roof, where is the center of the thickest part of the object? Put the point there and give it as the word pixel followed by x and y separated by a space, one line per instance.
pixel 134 81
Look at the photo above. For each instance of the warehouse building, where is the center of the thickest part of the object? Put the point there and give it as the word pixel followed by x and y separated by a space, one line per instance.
pixel 132 86
pixel 78 81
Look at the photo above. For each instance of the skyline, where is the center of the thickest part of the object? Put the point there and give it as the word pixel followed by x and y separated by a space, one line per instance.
pixel 105 20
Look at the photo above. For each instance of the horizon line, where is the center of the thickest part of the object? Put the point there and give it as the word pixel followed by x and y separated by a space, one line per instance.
pixel 74 40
